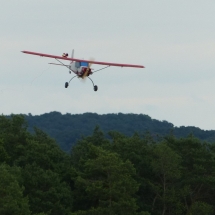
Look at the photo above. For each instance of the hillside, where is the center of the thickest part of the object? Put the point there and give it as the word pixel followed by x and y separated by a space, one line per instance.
pixel 119 175
pixel 68 128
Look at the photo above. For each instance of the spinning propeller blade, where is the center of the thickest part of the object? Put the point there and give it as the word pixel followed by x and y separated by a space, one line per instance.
pixel 88 68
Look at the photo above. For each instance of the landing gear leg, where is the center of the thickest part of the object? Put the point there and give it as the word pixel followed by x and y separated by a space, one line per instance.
pixel 95 87
pixel 67 83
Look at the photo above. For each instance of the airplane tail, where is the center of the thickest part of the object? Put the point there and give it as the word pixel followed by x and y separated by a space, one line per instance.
pixel 72 56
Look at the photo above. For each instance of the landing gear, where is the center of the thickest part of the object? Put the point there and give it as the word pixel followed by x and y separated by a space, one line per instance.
pixel 66 84
pixel 95 87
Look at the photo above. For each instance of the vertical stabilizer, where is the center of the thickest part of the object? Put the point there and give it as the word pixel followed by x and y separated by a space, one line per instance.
pixel 72 56
pixel 70 66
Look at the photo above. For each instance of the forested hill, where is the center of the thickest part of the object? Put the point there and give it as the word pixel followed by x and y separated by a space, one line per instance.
pixel 68 128
pixel 118 175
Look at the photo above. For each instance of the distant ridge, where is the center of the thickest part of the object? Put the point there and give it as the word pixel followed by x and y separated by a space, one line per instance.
pixel 66 129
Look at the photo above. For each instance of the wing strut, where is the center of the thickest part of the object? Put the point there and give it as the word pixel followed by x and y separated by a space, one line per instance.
pixel 101 68
pixel 63 64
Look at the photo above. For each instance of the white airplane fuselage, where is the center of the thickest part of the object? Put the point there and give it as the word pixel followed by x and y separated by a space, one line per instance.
pixel 80 68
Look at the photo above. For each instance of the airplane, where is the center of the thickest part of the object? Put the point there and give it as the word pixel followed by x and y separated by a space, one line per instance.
pixel 81 68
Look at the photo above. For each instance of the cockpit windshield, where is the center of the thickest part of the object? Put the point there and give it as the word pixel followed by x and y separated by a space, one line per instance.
pixel 85 64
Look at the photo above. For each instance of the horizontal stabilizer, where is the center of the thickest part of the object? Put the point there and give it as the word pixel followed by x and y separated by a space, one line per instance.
pixel 58 64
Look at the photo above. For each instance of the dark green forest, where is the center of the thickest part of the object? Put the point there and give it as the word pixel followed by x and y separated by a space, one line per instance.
pixel 66 129
pixel 122 174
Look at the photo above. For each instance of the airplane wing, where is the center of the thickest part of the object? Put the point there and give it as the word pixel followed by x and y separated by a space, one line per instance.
pixel 81 60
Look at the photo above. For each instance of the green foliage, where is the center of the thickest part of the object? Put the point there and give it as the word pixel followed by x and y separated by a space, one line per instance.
pixel 167 169
pixel 40 214
pixel 166 162
pixel 108 183
pixel 138 151
pixel 3 154
pixel 12 200
pixel 43 168
pixel 198 173
pixel 67 129
pixel 201 208
pixel 13 135
pixel 45 190
pixel 122 174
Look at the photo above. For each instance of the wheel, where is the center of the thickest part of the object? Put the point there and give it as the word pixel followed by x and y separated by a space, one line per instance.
pixel 95 88
pixel 66 84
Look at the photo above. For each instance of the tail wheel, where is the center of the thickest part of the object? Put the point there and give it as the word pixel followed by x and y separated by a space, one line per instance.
pixel 66 84
pixel 95 88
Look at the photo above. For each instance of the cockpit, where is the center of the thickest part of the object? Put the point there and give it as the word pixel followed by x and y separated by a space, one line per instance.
pixel 81 64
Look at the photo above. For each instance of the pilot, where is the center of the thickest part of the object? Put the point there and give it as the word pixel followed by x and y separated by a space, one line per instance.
pixel 65 55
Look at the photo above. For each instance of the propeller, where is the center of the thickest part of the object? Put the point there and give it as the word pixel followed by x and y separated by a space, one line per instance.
pixel 88 68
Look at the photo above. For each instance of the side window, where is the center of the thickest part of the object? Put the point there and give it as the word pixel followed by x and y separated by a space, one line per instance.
pixel 77 64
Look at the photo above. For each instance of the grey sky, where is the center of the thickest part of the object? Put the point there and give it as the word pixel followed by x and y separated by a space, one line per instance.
pixel 174 40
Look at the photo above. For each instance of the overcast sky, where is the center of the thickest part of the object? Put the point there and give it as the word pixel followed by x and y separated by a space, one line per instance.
pixel 174 40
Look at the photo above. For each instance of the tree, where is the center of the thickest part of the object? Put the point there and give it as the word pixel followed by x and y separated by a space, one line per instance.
pixel 12 200
pixel 3 154
pixel 13 133
pixel 44 168
pixel 46 192
pixel 198 172
pixel 167 169
pixel 200 208
pixel 81 152
pixel 107 183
